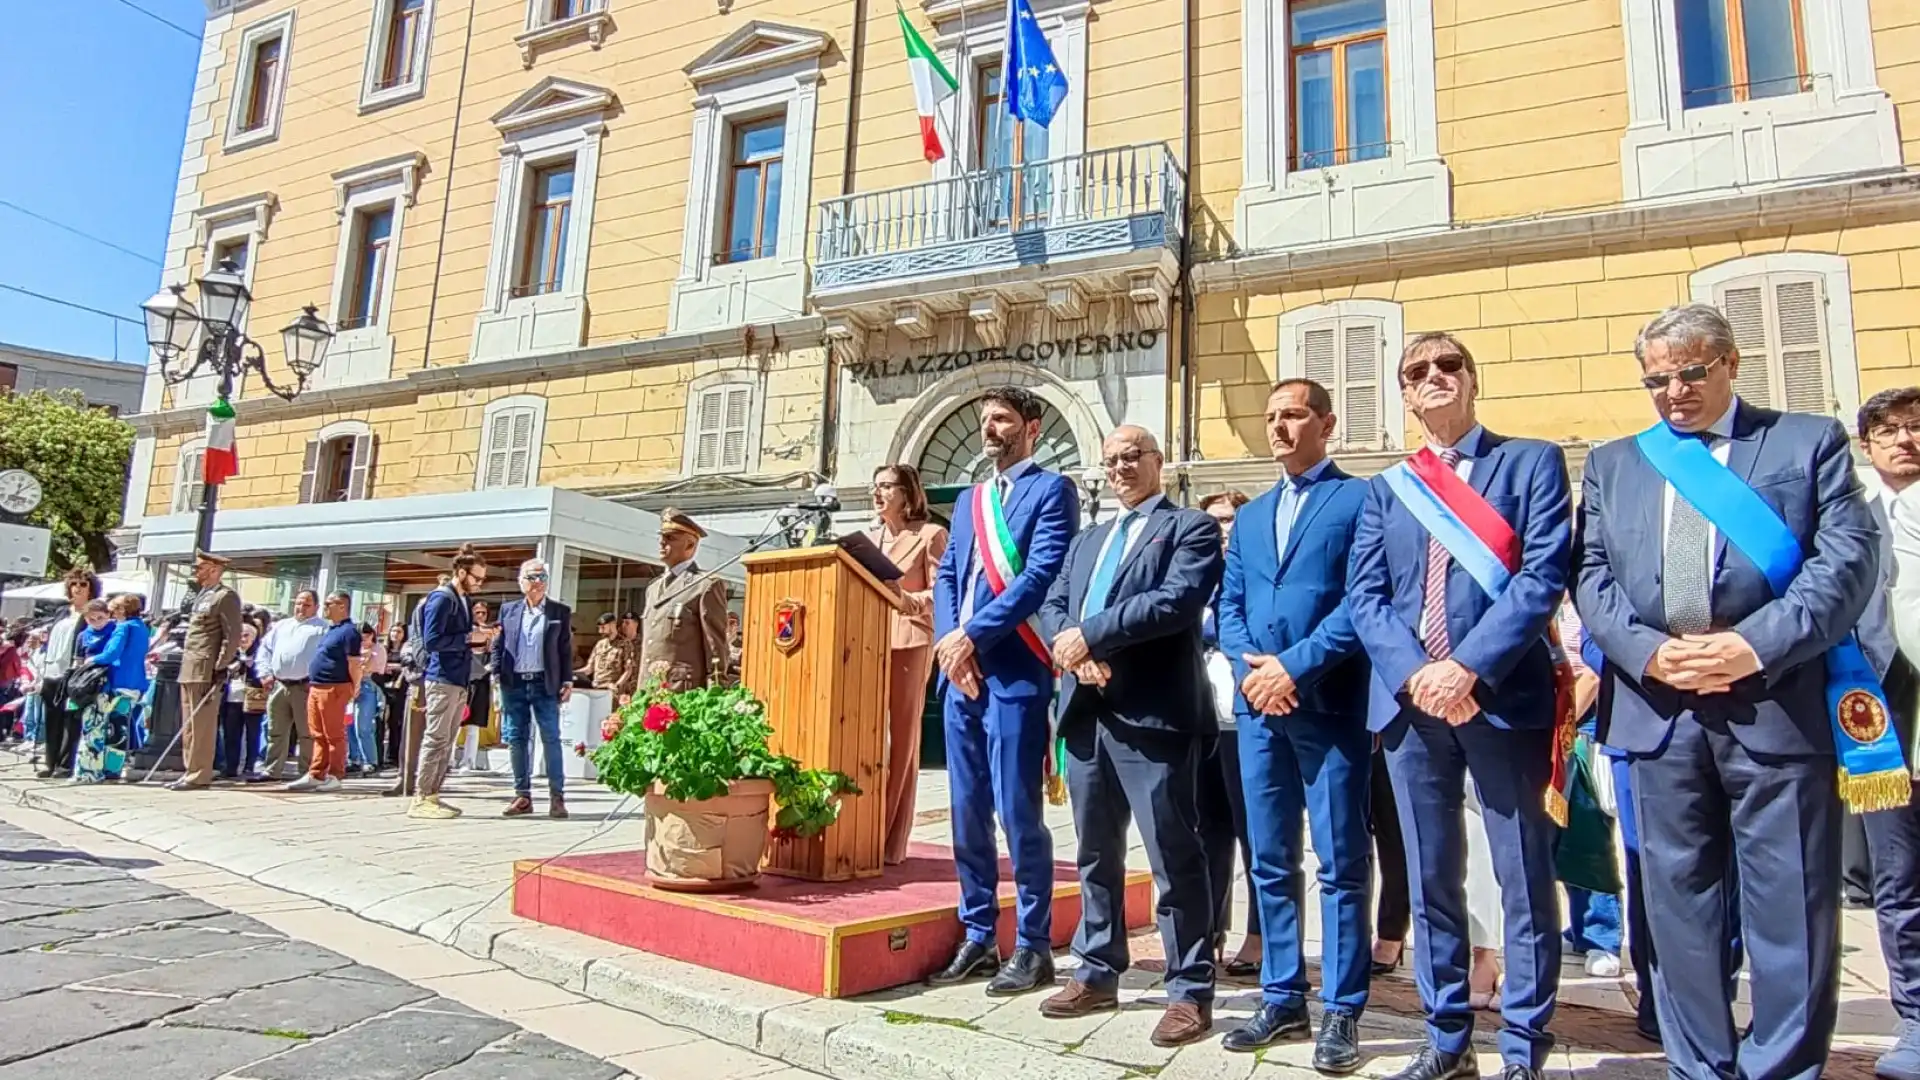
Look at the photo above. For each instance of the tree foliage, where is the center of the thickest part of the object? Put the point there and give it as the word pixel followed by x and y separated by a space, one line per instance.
pixel 80 455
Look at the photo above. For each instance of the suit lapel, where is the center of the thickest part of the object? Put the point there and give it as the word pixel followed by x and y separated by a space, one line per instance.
pixel 1743 453
pixel 1155 524
pixel 1023 487
pixel 1316 499
pixel 1487 464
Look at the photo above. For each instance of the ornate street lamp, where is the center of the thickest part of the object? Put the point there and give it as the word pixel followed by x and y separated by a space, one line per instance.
pixel 173 323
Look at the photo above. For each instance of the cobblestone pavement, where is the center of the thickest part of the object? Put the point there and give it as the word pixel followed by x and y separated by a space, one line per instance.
pixel 102 971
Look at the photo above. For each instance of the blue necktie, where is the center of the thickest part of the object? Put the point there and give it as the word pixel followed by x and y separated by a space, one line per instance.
pixel 1107 569
pixel 1292 489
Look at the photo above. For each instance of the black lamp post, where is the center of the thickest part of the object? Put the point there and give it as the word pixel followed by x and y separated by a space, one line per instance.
pixel 224 350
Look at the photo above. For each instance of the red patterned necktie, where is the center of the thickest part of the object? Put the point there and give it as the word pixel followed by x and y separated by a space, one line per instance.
pixel 1433 610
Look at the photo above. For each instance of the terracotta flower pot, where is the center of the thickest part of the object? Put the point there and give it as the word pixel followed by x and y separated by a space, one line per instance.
pixel 709 845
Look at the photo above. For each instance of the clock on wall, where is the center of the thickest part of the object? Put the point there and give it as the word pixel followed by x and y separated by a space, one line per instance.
pixel 19 491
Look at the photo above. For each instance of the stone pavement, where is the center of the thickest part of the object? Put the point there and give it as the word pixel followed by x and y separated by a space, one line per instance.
pixel 447 882
pixel 101 969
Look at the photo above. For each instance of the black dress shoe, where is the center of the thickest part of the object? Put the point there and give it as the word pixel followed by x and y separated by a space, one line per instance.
pixel 973 961
pixel 1271 1024
pixel 1431 1064
pixel 1337 1052
pixel 1517 1071
pixel 1027 969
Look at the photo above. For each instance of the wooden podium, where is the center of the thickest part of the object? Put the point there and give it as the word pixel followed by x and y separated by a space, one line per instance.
pixel 825 685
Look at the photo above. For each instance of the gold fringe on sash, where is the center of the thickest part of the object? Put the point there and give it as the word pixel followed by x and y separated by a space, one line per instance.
pixel 1886 790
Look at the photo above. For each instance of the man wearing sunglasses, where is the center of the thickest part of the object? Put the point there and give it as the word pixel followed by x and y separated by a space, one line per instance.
pixel 1726 557
pixel 533 659
pixel 1460 559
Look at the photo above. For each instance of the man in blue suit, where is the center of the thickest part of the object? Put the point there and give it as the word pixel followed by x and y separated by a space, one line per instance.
pixel 1463 686
pixel 533 659
pixel 1717 692
pixel 1304 744
pixel 1124 621
pixel 1010 536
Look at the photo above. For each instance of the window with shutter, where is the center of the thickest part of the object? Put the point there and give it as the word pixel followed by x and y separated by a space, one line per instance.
pixel 708 430
pixel 499 444
pixel 720 436
pixel 1344 355
pixel 520 449
pixel 510 445
pixel 733 453
pixel 1780 326
pixel 188 490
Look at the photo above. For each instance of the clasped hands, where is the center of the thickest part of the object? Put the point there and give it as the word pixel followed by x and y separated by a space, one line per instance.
pixel 1444 688
pixel 1269 687
pixel 954 653
pixel 1704 663
pixel 1070 653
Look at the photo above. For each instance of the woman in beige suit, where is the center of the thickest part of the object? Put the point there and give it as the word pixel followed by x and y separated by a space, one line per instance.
pixel 915 546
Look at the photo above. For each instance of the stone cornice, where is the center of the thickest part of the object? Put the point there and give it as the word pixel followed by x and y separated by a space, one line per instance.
pixel 802 332
pixel 1849 201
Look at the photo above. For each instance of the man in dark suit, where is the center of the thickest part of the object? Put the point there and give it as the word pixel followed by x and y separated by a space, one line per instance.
pixel 1304 744
pixel 1716 689
pixel 1463 687
pixel 1889 430
pixel 533 659
pixel 1137 715
pixel 1010 535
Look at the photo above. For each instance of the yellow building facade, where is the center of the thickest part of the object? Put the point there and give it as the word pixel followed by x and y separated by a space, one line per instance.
pixel 585 258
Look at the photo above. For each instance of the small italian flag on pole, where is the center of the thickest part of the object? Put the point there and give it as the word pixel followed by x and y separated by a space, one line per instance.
pixel 932 84
pixel 222 460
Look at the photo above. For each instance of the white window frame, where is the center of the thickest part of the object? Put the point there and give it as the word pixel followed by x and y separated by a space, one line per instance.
pixel 1844 124
pixel 354 430
pixel 365 353
pixel 720 382
pixel 1392 320
pixel 278 26
pixel 556 120
pixel 758 70
pixel 1409 190
pixel 538 405
pixel 183 484
pixel 1843 362
pixel 542 31
pixel 372 94
pixel 966 45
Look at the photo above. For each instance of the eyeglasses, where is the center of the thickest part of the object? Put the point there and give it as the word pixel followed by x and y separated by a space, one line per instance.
pixel 1128 458
pixel 534 575
pixel 1415 373
pixel 885 485
pixel 1690 374
pixel 1888 435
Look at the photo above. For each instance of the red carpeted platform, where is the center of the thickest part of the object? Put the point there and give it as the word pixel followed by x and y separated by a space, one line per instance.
pixel 830 939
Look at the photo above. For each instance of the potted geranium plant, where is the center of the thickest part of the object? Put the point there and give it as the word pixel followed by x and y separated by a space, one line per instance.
pixel 701 761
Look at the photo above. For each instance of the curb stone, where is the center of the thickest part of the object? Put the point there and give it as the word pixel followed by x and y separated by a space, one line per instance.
pixel 843 1039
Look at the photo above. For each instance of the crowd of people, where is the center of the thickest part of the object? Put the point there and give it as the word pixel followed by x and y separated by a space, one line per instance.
pixel 1451 676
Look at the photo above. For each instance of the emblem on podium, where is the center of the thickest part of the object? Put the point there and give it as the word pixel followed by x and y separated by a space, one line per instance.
pixel 789 625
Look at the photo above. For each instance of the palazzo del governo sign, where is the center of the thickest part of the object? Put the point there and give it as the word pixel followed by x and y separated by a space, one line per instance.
pixel 1027 352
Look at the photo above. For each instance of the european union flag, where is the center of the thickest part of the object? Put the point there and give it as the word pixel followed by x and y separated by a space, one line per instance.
pixel 1036 85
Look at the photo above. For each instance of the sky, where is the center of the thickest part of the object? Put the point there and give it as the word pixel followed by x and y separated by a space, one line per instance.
pixel 93 106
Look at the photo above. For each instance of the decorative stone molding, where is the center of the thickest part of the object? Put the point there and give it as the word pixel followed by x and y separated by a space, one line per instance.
pixel 756 48
pixel 553 99
pixel 406 168
pixel 912 318
pixel 538 34
pixel 989 315
pixel 1066 299
pixel 846 339
pixel 1149 289
pixel 256 210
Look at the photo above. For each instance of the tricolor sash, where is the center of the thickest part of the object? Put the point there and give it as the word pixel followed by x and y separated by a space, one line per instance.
pixel 1488 549
pixel 1000 559
pixel 1000 562
pixel 1873 771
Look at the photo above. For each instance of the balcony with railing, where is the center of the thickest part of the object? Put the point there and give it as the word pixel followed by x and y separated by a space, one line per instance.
pixel 1112 211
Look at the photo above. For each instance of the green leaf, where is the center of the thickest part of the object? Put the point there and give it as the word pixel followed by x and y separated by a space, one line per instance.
pixel 80 455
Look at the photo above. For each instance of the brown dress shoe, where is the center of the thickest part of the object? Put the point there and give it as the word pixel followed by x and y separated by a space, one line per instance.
pixel 1182 1023
pixel 519 807
pixel 557 808
pixel 1078 999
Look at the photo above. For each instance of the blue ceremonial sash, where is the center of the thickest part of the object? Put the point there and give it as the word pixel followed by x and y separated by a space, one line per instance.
pixel 1873 771
pixel 1474 554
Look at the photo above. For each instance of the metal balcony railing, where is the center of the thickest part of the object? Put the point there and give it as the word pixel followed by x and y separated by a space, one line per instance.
pixel 1112 185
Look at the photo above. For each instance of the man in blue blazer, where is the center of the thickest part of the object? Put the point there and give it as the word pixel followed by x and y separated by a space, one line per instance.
pixel 1716 689
pixel 1463 687
pixel 1304 743
pixel 1136 712
pixel 533 659
pixel 1010 536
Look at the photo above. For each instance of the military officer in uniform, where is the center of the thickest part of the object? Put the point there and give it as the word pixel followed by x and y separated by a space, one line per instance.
pixel 683 633
pixel 213 636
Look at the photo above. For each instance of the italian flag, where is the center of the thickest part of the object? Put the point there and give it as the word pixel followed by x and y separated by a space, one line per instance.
pixel 932 84
pixel 222 460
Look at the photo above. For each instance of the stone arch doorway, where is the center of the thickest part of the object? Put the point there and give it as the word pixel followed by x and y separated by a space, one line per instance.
pixel 953 458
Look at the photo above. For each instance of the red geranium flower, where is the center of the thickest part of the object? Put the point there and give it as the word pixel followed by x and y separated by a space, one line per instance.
pixel 658 717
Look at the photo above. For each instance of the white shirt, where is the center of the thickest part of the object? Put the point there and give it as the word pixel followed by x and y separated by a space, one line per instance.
pixel 1722 446
pixel 680 568
pixel 1468 445
pixel 1009 475
pixel 60 646
pixel 533 624
pixel 1134 531
pixel 286 653
pixel 1905 530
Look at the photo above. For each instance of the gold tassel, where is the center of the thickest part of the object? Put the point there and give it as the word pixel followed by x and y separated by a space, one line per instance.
pixel 1056 789
pixel 1887 790
pixel 1557 806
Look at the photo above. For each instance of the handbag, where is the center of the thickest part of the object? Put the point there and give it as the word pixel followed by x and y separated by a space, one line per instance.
pixel 85 685
pixel 253 699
